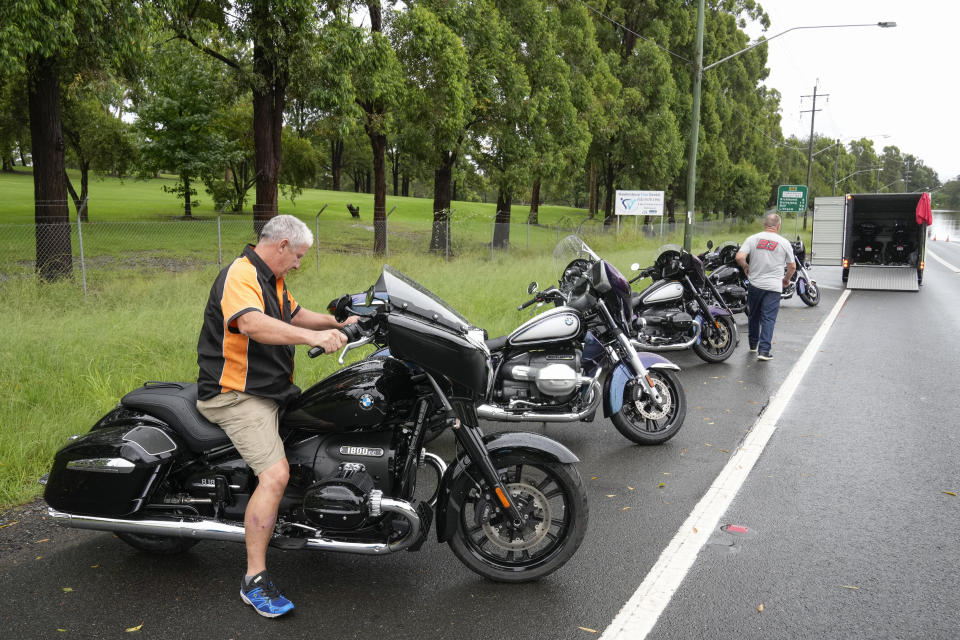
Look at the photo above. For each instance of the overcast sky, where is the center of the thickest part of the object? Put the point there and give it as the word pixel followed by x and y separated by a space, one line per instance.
pixel 901 82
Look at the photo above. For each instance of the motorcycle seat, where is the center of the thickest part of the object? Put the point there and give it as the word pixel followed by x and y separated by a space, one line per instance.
pixel 176 404
pixel 496 344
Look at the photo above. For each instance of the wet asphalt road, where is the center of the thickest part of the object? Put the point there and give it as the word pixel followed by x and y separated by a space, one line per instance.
pixel 851 531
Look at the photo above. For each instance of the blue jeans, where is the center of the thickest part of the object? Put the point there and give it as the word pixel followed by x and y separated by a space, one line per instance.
pixel 764 307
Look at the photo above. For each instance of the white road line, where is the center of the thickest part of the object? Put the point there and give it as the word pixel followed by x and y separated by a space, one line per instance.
pixel 943 262
pixel 639 615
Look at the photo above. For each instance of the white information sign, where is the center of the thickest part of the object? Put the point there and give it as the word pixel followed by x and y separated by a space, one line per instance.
pixel 639 203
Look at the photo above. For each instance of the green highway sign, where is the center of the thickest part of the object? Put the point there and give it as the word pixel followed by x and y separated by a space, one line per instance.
pixel 791 198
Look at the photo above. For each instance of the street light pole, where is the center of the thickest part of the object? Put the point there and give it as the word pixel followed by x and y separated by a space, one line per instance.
pixel 698 70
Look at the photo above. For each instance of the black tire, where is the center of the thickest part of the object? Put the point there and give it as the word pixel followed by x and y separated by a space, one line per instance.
pixel 716 345
pixel 811 294
pixel 547 492
pixel 643 424
pixel 159 545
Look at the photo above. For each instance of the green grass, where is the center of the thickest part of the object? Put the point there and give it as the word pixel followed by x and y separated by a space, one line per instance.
pixel 66 359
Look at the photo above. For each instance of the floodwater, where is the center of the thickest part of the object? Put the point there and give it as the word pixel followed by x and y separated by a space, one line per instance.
pixel 946 224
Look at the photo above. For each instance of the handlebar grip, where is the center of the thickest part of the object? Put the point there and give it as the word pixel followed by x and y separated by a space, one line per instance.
pixel 352 331
pixel 527 304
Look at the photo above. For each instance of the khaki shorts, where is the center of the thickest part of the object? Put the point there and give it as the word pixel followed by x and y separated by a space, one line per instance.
pixel 251 422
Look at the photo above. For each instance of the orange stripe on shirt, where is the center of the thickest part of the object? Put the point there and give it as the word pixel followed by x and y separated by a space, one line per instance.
pixel 241 290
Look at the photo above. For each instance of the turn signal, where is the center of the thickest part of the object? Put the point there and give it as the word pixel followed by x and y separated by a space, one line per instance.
pixel 846 263
pixel 503 498
pixel 921 265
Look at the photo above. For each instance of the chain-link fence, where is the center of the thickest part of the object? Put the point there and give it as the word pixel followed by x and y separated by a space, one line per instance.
pixel 177 243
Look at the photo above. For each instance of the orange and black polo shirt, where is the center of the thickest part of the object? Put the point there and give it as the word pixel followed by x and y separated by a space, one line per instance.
pixel 229 360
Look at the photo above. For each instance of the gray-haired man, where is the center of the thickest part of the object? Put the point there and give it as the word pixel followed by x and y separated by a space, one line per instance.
pixel 245 353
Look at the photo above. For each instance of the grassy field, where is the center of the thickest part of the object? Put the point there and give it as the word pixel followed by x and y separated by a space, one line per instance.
pixel 66 359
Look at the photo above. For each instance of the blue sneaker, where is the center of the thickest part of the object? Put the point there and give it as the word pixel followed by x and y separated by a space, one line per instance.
pixel 264 596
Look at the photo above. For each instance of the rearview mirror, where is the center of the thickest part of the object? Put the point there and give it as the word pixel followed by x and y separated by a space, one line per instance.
pixel 532 288
pixel 635 266
pixel 709 244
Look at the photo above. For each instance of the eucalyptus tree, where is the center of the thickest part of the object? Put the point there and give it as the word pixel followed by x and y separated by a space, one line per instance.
pixel 97 139
pixel 595 93
pixel 436 101
pixel 233 128
pixel 644 145
pixel 498 86
pixel 560 98
pixel 892 166
pixel 261 40
pixel 183 95
pixel 45 42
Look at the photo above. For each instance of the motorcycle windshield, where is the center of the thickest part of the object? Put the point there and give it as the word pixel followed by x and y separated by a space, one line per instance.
pixel 669 247
pixel 572 248
pixel 412 297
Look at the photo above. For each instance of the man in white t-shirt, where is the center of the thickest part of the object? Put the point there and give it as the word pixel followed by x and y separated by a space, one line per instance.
pixel 769 253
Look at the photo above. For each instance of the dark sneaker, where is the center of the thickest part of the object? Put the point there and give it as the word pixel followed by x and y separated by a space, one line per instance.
pixel 753 348
pixel 764 355
pixel 264 596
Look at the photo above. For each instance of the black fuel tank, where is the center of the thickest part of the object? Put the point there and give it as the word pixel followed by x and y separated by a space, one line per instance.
pixel 356 398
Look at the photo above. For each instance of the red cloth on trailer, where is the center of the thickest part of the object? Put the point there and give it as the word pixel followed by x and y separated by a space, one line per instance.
pixel 924 213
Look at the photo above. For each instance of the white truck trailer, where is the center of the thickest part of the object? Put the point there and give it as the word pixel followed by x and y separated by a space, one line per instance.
pixel 878 238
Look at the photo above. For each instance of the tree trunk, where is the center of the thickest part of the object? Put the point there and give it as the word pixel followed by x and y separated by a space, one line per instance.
pixel 440 237
pixel 336 161
pixel 51 213
pixel 7 162
pixel 406 185
pixel 501 228
pixel 378 144
pixel 187 204
pixel 608 196
pixel 592 207
pixel 671 207
pixel 80 201
pixel 268 104
pixel 395 171
pixel 534 217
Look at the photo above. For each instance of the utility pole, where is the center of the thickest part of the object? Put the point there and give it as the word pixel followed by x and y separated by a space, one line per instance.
pixel 906 176
pixel 813 115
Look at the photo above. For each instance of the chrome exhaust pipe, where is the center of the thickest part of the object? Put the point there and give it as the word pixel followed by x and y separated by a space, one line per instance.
pixel 640 346
pixel 206 529
pixel 499 414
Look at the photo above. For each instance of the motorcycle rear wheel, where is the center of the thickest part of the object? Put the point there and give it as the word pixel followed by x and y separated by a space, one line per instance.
pixel 553 500
pixel 159 545
pixel 716 345
pixel 811 294
pixel 640 422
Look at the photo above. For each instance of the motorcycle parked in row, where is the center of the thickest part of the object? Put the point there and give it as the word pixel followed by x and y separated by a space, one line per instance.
pixel 801 282
pixel 682 309
pixel 564 363
pixel 511 506
pixel 729 279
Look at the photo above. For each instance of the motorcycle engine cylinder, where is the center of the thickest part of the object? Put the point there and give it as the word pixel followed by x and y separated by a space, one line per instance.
pixel 340 501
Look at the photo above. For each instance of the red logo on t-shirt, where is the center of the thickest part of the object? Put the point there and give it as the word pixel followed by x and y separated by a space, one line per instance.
pixel 769 245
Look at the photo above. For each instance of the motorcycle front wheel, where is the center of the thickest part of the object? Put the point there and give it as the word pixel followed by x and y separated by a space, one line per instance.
pixel 552 499
pixel 811 294
pixel 643 422
pixel 716 344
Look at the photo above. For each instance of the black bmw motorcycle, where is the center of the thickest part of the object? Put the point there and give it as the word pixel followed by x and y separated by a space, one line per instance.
pixel 682 309
pixel 511 506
